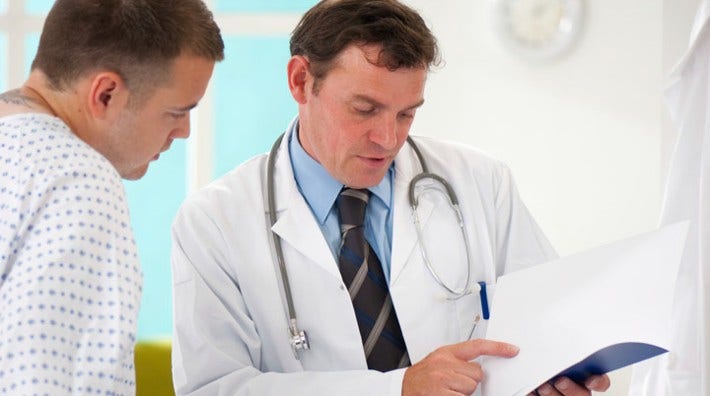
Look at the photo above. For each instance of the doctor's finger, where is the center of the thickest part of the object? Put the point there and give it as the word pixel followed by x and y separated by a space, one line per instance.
pixel 462 384
pixel 567 387
pixel 547 390
pixel 598 383
pixel 471 370
pixel 469 350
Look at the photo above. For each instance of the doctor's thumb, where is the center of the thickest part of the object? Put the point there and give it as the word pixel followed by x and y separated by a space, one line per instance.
pixel 471 349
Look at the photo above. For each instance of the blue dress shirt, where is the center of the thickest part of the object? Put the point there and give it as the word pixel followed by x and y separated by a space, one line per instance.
pixel 321 190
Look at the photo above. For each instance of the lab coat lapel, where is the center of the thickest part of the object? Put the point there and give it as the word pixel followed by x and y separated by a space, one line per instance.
pixel 295 224
pixel 404 232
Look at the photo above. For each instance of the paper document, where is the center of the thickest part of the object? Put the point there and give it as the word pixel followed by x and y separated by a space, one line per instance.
pixel 585 314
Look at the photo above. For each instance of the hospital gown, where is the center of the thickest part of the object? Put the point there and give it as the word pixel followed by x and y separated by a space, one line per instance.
pixel 70 279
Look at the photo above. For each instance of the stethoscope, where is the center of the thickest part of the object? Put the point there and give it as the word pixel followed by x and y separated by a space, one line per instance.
pixel 298 338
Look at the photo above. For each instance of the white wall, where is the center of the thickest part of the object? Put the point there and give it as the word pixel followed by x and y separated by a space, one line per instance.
pixel 582 134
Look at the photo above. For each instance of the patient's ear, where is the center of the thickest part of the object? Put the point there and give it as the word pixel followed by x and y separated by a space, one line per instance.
pixel 108 96
pixel 299 78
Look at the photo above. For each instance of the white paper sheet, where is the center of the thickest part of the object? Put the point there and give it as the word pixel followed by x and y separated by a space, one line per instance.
pixel 561 312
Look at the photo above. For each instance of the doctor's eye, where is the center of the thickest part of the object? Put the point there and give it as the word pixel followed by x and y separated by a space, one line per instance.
pixel 407 115
pixel 365 110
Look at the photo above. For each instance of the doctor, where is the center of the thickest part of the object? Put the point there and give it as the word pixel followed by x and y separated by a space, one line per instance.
pixel 358 71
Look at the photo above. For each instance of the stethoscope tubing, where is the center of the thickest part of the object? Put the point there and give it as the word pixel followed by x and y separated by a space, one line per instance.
pixel 298 338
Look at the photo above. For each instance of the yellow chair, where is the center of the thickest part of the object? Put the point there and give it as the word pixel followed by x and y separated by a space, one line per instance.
pixel 153 370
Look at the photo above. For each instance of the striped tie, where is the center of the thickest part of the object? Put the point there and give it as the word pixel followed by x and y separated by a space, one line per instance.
pixel 362 273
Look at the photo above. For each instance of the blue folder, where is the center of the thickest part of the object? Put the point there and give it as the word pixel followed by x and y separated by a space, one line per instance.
pixel 609 359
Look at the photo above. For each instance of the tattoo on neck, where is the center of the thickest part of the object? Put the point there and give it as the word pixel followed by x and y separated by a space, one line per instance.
pixel 15 97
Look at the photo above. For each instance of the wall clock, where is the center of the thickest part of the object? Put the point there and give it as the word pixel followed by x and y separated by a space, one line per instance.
pixel 538 29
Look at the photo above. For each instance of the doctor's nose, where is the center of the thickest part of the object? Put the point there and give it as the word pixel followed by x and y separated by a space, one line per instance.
pixel 384 133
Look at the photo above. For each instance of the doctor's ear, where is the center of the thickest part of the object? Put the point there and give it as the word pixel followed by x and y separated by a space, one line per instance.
pixel 107 96
pixel 298 77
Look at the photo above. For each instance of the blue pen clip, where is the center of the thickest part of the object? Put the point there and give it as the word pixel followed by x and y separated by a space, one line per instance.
pixel 484 301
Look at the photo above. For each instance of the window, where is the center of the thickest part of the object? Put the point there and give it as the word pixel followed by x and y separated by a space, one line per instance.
pixel 3 61
pixel 31 44
pixel 252 102
pixel 38 7
pixel 262 5
pixel 4 56
pixel 153 202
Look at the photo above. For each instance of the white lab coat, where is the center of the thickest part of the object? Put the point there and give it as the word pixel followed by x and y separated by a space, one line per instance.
pixel 230 317
pixel 686 369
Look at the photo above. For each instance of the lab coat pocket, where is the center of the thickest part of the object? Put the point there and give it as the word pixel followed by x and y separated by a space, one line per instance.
pixel 469 310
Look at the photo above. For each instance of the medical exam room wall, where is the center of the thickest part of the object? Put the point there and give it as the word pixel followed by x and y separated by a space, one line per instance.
pixel 583 133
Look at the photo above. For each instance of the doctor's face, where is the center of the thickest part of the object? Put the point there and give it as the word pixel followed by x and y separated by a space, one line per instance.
pixel 359 116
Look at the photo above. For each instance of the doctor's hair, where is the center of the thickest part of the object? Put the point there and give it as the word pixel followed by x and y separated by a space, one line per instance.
pixel 137 39
pixel 331 26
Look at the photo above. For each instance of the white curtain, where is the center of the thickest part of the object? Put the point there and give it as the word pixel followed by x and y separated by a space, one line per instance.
pixel 684 371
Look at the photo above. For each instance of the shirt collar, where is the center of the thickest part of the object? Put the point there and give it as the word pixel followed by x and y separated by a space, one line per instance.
pixel 318 187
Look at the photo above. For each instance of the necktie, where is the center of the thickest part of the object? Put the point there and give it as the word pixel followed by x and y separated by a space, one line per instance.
pixel 362 273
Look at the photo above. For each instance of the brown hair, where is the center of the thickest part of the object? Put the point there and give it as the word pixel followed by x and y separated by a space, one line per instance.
pixel 332 25
pixel 138 39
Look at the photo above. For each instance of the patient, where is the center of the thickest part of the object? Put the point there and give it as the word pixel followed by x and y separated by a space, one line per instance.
pixel 111 87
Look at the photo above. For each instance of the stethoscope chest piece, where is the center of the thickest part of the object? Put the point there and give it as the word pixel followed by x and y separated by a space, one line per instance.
pixel 298 338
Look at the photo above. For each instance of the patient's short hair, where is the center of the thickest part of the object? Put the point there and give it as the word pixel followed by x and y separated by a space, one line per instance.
pixel 137 39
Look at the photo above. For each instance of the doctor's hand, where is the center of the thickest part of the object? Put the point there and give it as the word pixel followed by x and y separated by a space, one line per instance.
pixel 566 387
pixel 449 369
